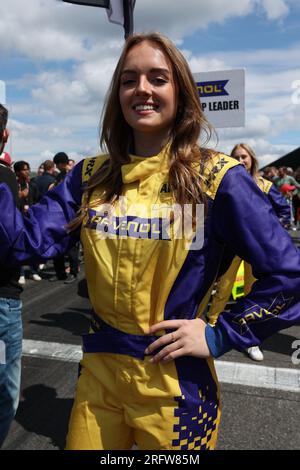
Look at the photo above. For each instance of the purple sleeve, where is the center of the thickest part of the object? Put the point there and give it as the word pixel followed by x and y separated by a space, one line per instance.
pixel 280 206
pixel 246 222
pixel 41 234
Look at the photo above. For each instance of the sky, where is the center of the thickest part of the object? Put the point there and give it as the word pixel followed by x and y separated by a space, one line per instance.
pixel 57 59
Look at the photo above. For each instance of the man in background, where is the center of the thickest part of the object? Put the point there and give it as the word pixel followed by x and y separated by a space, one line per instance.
pixel 10 307
pixel 61 161
pixel 45 181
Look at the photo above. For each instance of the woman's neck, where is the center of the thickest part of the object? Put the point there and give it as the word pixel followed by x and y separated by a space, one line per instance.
pixel 149 145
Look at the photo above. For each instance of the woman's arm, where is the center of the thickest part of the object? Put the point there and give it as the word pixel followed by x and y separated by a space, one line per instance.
pixel 246 223
pixel 42 233
pixel 244 220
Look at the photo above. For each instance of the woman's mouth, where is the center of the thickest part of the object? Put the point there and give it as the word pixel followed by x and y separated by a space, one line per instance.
pixel 145 107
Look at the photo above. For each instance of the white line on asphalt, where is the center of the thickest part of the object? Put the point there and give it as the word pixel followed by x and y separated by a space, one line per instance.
pixel 235 373
pixel 250 375
pixel 58 351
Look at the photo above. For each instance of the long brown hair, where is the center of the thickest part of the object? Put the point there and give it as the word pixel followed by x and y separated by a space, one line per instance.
pixel 185 153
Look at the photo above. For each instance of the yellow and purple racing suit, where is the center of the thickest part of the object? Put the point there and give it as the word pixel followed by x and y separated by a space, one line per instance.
pixel 225 281
pixel 138 274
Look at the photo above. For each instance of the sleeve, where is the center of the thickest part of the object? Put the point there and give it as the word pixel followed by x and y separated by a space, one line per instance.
pixel 42 233
pixel 245 221
pixel 280 206
pixel 295 182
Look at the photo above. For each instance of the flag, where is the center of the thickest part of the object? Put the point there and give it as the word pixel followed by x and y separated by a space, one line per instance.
pixel 121 12
pixel 115 12
pixel 118 11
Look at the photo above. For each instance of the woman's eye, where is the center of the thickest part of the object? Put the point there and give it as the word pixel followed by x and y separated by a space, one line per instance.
pixel 128 81
pixel 160 80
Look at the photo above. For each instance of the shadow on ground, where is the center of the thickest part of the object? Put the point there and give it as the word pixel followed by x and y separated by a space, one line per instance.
pixel 43 413
pixel 75 321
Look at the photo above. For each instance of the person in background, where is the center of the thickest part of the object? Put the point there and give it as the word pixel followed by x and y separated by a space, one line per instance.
pixel 11 330
pixel 290 171
pixel 245 155
pixel 271 173
pixel 284 183
pixel 47 179
pixel 28 190
pixel 296 200
pixel 61 160
pixel 40 170
pixel 5 159
pixel 28 194
pixel 285 178
pixel 290 194
pixel 71 163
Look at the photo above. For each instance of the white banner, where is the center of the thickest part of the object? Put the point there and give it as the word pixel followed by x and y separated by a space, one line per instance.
pixel 2 92
pixel 222 95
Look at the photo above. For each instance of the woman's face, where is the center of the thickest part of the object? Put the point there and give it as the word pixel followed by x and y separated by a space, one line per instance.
pixel 24 173
pixel 243 157
pixel 147 94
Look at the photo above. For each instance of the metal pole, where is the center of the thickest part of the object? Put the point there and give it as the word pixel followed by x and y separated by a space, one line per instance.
pixel 128 6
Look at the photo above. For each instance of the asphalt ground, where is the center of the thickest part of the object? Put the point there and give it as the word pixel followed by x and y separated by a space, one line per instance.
pixel 253 417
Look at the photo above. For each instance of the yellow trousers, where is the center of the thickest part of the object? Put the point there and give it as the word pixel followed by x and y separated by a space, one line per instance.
pixel 224 287
pixel 121 400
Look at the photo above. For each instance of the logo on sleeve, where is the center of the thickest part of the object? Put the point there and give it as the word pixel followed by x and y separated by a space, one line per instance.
pixel 256 313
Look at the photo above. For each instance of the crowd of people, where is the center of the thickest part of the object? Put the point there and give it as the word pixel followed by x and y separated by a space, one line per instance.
pixel 30 191
pixel 287 182
pixel 147 375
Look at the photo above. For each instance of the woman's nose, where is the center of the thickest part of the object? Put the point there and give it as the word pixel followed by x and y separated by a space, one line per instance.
pixel 143 85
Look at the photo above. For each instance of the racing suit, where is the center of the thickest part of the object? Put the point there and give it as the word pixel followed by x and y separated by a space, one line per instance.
pixel 225 282
pixel 138 274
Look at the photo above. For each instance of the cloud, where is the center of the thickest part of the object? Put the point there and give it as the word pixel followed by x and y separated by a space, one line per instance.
pixel 64 94
pixel 275 9
pixel 54 30
pixel 38 31
pixel 36 143
pixel 167 16
pixel 266 151
pixel 259 126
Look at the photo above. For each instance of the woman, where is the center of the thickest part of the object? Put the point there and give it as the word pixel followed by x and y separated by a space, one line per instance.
pixel 246 156
pixel 147 373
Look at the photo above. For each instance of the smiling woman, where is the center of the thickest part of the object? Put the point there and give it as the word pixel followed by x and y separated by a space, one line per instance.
pixel 148 97
pixel 147 374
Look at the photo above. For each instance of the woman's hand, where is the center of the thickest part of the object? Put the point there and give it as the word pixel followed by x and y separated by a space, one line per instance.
pixel 188 339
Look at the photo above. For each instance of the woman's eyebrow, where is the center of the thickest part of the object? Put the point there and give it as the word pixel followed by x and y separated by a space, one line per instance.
pixel 160 70
pixel 154 69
